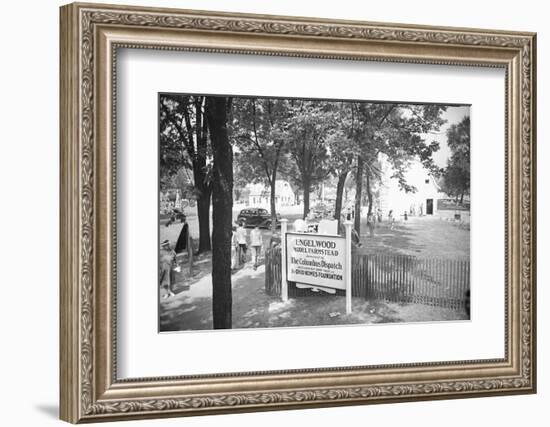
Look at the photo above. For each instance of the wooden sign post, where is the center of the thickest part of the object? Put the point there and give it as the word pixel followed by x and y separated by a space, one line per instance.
pixel 321 262
pixel 347 270
pixel 284 283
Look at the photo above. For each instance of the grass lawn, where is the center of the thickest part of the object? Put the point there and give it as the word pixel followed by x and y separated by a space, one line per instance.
pixel 424 237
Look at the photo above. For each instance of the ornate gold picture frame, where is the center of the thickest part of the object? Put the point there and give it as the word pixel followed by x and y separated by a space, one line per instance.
pixel 90 388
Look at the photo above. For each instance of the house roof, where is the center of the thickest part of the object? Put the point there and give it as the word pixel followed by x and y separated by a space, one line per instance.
pixel 260 189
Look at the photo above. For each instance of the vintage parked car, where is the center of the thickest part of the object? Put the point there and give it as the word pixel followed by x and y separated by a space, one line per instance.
pixel 256 216
pixel 321 211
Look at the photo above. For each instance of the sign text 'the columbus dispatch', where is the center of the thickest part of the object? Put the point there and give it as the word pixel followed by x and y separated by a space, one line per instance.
pixel 316 260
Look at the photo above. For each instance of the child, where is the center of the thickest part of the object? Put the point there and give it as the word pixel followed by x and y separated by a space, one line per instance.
pixel 256 243
pixel 370 224
pixel 391 219
pixel 241 240
pixel 167 264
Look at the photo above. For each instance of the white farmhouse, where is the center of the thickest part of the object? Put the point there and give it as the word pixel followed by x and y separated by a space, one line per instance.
pixel 260 194
pixel 421 202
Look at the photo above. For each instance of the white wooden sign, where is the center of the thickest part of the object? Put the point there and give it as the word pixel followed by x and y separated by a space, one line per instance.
pixel 316 259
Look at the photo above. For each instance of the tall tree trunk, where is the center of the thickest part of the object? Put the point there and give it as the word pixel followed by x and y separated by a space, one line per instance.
pixel 358 193
pixel 272 202
pixel 461 197
pixel 307 188
pixel 340 195
pixel 203 202
pixel 198 155
pixel 203 213
pixel 222 206
pixel 369 193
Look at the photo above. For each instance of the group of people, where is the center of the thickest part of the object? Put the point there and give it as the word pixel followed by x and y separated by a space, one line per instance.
pixel 241 241
pixel 377 217
pixel 240 244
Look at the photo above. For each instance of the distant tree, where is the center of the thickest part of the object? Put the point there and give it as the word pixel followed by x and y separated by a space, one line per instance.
pixel 307 135
pixel 456 176
pixel 222 209
pixel 185 143
pixel 371 124
pixel 173 157
pixel 372 175
pixel 343 150
pixel 398 131
pixel 259 130
pixel 183 182
pixel 455 182
pixel 406 138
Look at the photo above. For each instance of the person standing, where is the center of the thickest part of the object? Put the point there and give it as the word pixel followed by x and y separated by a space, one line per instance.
pixel 370 224
pixel 391 219
pixel 167 264
pixel 184 243
pixel 241 240
pixel 234 249
pixel 256 244
pixel 183 239
pixel 379 214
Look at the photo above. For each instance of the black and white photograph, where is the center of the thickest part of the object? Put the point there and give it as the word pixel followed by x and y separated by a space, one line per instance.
pixel 282 212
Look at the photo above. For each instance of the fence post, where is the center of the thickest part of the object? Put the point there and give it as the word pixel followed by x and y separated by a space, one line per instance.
pixel 190 252
pixel 348 225
pixel 284 283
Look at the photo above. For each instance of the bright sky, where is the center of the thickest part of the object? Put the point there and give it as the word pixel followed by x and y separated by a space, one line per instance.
pixel 453 115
